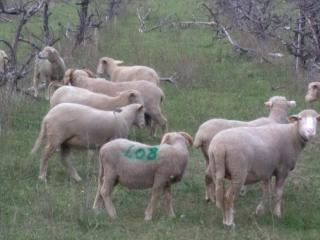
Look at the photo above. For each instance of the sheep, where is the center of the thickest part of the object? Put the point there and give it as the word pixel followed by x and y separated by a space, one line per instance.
pixel 136 165
pixel 49 68
pixel 73 125
pixel 247 155
pixel 278 106
pixel 118 73
pixel 3 61
pixel 151 94
pixel 313 93
pixel 69 94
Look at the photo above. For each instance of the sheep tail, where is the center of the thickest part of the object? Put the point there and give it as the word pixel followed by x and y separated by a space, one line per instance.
pixel 101 170
pixel 40 138
pixel 217 166
pixel 197 141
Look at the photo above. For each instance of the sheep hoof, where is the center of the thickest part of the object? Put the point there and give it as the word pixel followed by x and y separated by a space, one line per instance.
pixel 229 225
pixel 259 209
pixel 77 178
pixel 42 178
pixel 148 218
pixel 277 213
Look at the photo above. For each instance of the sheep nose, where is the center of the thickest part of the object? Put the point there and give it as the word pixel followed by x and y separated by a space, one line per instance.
pixel 311 131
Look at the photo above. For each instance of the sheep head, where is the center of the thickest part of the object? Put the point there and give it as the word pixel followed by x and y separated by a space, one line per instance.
pixel 105 65
pixel 170 138
pixel 306 123
pixel 279 101
pixel 313 93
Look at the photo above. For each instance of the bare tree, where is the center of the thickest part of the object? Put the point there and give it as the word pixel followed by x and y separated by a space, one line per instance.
pixel 16 71
pixel 86 23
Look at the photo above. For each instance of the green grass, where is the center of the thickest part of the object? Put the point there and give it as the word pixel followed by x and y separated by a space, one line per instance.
pixel 215 82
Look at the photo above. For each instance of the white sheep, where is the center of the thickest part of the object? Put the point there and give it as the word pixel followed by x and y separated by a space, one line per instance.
pixel 73 125
pixel 118 73
pixel 313 93
pixel 49 68
pixel 151 94
pixel 136 165
pixel 70 94
pixel 278 106
pixel 3 61
pixel 247 155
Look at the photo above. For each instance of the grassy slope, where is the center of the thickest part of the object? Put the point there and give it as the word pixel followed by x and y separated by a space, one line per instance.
pixel 215 83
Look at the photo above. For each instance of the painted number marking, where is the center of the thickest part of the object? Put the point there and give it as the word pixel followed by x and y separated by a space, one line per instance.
pixel 141 153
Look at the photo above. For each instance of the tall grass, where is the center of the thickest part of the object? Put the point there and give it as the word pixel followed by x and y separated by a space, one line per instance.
pixel 215 82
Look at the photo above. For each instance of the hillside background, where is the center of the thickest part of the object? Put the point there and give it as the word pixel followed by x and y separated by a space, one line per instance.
pixel 214 81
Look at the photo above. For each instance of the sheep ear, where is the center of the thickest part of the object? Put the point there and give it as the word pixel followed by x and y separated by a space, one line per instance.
pixel 118 62
pixel 68 76
pixel 141 108
pixel 292 103
pixel 187 137
pixel 132 95
pixel 318 118
pixel 294 118
pixel 165 139
pixel 268 104
pixel 90 74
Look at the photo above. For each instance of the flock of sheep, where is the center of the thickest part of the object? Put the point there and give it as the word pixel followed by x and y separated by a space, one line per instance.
pixel 93 113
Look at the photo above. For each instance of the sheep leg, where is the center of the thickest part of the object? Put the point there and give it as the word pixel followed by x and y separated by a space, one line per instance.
pixel 158 119
pixel 155 196
pixel 36 81
pixel 65 159
pixel 98 199
pixel 266 187
pixel 232 192
pixel 243 190
pixel 105 192
pixel 168 201
pixel 209 187
pixel 278 195
pixel 48 151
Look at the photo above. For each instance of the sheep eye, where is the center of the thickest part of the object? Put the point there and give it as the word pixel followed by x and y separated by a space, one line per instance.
pixel 314 87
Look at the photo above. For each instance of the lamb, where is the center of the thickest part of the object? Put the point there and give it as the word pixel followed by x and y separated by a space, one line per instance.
pixel 151 94
pixel 49 68
pixel 313 93
pixel 73 125
pixel 136 165
pixel 248 155
pixel 3 61
pixel 118 73
pixel 69 94
pixel 278 114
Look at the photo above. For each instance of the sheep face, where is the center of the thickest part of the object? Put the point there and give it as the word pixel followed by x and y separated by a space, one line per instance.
pixel 313 93
pixel 139 120
pixel 48 53
pixel 307 123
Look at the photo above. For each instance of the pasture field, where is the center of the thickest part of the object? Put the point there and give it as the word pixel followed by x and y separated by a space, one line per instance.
pixel 214 82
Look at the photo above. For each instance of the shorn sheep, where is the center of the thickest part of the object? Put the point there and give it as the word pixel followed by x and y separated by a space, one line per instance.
pixel 136 165
pixel 248 155
pixel 73 125
pixel 278 106
pixel 313 93
pixel 151 94
pixel 70 94
pixel 118 73
pixel 3 61
pixel 49 68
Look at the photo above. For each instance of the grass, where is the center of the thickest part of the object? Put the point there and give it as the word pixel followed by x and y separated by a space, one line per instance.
pixel 215 82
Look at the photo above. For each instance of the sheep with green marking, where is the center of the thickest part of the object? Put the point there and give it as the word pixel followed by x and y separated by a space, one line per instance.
pixel 136 165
